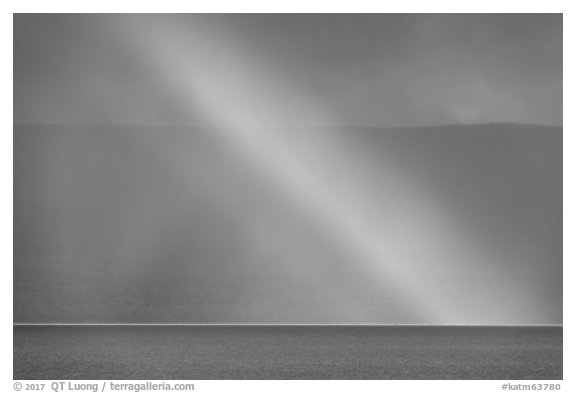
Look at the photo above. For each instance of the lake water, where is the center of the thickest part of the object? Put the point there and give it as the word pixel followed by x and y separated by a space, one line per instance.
pixel 287 352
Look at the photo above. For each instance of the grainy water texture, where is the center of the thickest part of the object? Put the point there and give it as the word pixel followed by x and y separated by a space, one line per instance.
pixel 287 352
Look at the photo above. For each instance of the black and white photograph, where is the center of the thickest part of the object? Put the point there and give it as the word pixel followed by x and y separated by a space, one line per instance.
pixel 315 196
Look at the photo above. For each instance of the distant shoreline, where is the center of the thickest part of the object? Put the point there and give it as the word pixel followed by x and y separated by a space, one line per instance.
pixel 283 324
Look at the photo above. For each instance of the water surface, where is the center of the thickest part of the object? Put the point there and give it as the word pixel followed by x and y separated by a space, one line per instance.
pixel 287 352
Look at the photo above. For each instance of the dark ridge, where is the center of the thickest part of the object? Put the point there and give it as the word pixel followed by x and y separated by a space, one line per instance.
pixel 442 126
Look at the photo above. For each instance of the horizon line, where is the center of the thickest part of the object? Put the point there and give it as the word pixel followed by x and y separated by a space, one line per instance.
pixel 281 324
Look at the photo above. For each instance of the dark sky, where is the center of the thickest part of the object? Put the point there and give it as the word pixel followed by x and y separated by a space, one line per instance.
pixel 257 215
pixel 372 69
